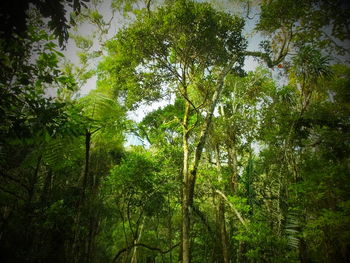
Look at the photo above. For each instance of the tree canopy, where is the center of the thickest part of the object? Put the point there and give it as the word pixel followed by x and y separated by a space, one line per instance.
pixel 237 164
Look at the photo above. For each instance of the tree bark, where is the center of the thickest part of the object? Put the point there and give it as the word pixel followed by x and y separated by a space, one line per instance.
pixel 134 253
pixel 221 214
pixel 185 189
pixel 80 244
pixel 232 162
pixel 87 160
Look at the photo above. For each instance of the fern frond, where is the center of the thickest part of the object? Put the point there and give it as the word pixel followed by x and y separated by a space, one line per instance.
pixel 292 230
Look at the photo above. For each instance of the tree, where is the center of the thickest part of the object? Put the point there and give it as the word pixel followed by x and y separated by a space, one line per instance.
pixel 14 16
pixel 323 24
pixel 236 167
pixel 42 153
pixel 186 48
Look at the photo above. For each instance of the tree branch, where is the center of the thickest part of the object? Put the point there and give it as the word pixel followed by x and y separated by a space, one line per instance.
pixel 202 217
pixel 121 251
pixel 11 193
pixel 205 129
pixel 270 63
pixel 233 208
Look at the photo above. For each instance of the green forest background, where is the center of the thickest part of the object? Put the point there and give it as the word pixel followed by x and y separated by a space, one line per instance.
pixel 236 165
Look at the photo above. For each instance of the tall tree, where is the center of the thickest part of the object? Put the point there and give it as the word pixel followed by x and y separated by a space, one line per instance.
pixel 187 48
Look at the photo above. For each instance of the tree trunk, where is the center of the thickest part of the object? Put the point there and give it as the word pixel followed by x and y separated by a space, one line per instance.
pixel 232 162
pixel 189 176
pixel 221 214
pixel 80 244
pixel 205 128
pixel 46 188
pixel 87 160
pixel 93 230
pixel 136 241
pixel 185 189
pixel 170 229
pixel 33 179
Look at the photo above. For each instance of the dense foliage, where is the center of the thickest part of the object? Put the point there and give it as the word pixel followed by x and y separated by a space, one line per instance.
pixel 237 165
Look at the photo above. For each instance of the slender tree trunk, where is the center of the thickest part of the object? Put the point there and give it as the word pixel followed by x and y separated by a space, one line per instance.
pixel 232 162
pixel 223 234
pixel 185 190
pixel 93 229
pixel 46 188
pixel 189 175
pixel 80 245
pixel 185 228
pixel 221 214
pixel 33 181
pixel 87 187
pixel 31 238
pixel 136 241
pixel 170 229
pixel 87 160
pixel 205 130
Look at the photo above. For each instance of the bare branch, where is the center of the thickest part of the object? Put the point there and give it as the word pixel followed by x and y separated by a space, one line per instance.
pixel 121 251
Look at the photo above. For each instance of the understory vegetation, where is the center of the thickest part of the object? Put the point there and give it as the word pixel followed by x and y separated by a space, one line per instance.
pixel 247 158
